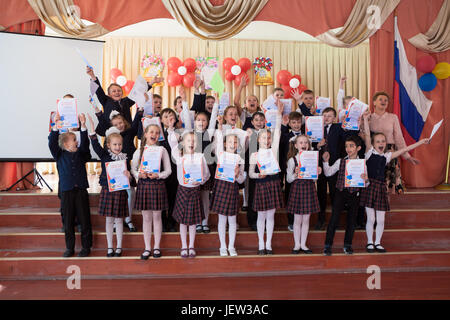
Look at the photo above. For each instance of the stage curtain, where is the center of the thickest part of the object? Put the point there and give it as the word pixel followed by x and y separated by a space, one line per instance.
pixel 361 24
pixel 319 65
pixel 62 16
pixel 207 21
pixel 437 38
pixel 30 27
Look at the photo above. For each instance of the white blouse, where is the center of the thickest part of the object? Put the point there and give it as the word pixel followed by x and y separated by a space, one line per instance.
pixel 221 154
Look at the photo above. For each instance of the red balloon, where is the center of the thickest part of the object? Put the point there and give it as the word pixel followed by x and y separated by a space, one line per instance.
pixel 287 91
pixel 173 64
pixel 228 63
pixel 283 77
pixel 238 78
pixel 188 79
pixel 426 64
pixel 302 88
pixel 115 73
pixel 174 79
pixel 298 77
pixel 229 76
pixel 190 65
pixel 245 64
pixel 128 86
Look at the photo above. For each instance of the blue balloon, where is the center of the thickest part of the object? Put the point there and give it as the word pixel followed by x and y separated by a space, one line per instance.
pixel 427 82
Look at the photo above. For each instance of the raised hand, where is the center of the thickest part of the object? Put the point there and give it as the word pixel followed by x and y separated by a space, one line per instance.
pixel 285 119
pixel 156 80
pixel 322 143
pixel 280 106
pixel 90 72
pixel 414 161
pixel 91 123
pixel 94 105
pixel 82 119
pixel 296 95
pixel 244 81
pixel 326 156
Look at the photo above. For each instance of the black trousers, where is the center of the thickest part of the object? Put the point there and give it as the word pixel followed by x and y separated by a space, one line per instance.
pixel 322 184
pixel 75 204
pixel 287 190
pixel 341 198
pixel 252 215
pixel 171 188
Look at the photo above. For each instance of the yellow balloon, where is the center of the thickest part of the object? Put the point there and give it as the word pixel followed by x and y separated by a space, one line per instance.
pixel 442 70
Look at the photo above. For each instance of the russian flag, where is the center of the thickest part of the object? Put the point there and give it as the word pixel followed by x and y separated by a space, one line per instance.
pixel 410 104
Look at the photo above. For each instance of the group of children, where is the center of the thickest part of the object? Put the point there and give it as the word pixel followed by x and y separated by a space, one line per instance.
pixel 264 160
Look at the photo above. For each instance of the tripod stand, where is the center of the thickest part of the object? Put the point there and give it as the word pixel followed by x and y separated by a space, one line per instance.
pixel 38 180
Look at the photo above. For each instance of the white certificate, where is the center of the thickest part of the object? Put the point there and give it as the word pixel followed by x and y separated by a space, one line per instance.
pixel 353 114
pixel 224 102
pixel 271 118
pixel 151 160
pixel 192 169
pixel 270 104
pixel 267 164
pixel 154 120
pixel 287 106
pixel 137 92
pixel 116 179
pixel 354 168
pixel 67 109
pixel 148 105
pixel 435 128
pixel 322 103
pixel 226 167
pixel 191 119
pixel 314 128
pixel 308 163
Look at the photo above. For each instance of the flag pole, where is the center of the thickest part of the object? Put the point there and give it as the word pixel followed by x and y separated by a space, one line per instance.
pixel 445 185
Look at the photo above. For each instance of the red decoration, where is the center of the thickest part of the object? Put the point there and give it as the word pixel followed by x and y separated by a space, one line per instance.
pixel 115 73
pixel 239 77
pixel 287 91
pixel 190 65
pixel 302 88
pixel 229 76
pixel 188 79
pixel 173 64
pixel 298 77
pixel 174 79
pixel 128 86
pixel 227 63
pixel 426 64
pixel 245 64
pixel 283 77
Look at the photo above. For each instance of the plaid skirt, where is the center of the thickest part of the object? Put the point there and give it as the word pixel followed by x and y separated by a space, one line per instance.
pixel 303 197
pixel 375 196
pixel 209 185
pixel 188 208
pixel 268 195
pixel 225 198
pixel 151 194
pixel 113 204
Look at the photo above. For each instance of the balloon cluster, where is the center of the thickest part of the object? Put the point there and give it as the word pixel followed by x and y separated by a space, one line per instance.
pixel 181 72
pixel 236 71
pixel 432 72
pixel 118 77
pixel 289 82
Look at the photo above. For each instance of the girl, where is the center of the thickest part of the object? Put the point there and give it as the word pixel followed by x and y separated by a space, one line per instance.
pixel 375 197
pixel 204 132
pixel 268 195
pixel 251 105
pixel 225 196
pixel 188 209
pixel 112 205
pixel 303 195
pixel 151 195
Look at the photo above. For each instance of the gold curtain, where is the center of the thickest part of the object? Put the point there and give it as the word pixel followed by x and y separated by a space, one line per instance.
pixel 62 16
pixel 206 21
pixel 437 38
pixel 319 65
pixel 364 20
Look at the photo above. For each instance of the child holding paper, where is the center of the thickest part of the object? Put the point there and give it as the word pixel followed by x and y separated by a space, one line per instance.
pixel 113 205
pixel 344 195
pixel 303 196
pixel 305 102
pixel 192 171
pixel 250 107
pixel 342 99
pixel 225 195
pixel 150 166
pixel 265 169
pixel 374 198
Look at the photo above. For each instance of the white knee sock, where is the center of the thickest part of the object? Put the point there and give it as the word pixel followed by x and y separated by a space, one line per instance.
pixel 119 231
pixel 269 226
pixel 305 230
pixel 157 228
pixel 221 226
pixel 231 231
pixel 380 226
pixel 261 224
pixel 192 233
pixel 369 224
pixel 109 231
pixel 183 236
pixel 297 230
pixel 147 221
pixel 205 201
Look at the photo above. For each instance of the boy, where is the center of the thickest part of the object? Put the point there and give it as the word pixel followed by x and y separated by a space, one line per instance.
pixel 73 183
pixel 349 196
pixel 305 102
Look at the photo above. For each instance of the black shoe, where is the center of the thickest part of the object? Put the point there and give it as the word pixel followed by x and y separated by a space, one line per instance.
pixel 379 248
pixel 206 229
pixel 157 253
pixel 261 252
pixel 269 252
pixel 110 254
pixel 360 227
pixel 84 252
pixel 118 252
pixel 173 229
pixel 399 189
pixel 319 226
pixel 348 250
pixel 245 209
pixel 144 256
pixel 296 251
pixel 68 253
pixel 327 251
pixel 254 227
pixel 370 248
pixel 130 226
pixel 199 228
pixel 307 251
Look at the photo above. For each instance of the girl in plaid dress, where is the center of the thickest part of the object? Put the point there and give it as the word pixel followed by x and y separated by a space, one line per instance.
pixel 151 194
pixel 375 197
pixel 225 197
pixel 303 195
pixel 188 210
pixel 112 205
pixel 268 196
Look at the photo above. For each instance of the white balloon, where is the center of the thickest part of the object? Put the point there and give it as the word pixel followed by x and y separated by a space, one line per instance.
pixel 294 83
pixel 121 80
pixel 236 70
pixel 182 70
